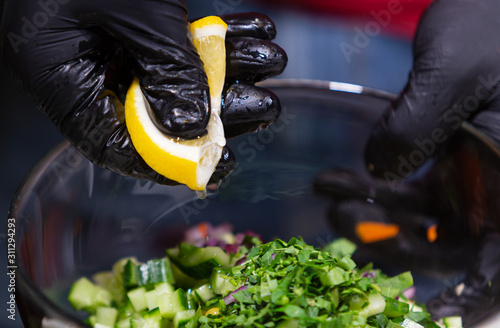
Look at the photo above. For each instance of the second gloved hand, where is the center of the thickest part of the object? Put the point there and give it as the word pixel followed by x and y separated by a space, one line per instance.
pixel 76 61
pixel 455 78
pixel 444 221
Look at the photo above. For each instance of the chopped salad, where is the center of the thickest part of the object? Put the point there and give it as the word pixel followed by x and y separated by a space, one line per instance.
pixel 215 278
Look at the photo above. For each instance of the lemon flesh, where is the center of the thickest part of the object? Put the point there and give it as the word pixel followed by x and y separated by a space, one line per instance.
pixel 190 162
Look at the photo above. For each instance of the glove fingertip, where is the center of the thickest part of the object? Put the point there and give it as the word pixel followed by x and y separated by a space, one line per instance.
pixel 250 24
pixel 248 108
pixel 180 111
pixel 252 60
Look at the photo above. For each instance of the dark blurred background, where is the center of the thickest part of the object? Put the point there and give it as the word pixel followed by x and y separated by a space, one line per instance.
pixel 313 42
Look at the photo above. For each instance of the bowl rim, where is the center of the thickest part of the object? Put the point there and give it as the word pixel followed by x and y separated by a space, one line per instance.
pixel 344 87
pixel 35 173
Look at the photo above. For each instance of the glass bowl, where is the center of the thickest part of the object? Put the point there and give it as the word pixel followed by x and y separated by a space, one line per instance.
pixel 73 219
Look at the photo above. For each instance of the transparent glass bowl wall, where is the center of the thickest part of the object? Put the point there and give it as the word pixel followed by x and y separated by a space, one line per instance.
pixel 74 219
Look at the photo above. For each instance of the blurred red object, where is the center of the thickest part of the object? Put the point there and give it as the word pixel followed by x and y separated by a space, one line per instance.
pixel 393 16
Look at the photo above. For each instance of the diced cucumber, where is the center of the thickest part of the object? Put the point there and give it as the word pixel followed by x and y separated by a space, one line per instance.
pixel 376 305
pixel 416 308
pixel 290 323
pixel 407 323
pixel 151 299
pixel 171 304
pixel 161 289
pixel 181 279
pixel 164 288
pixel 151 319
pixel 191 255
pixel 143 323
pixel 98 325
pixel 91 320
pixel 333 277
pixel 173 253
pixel 393 286
pixel 126 310
pixel 204 293
pixel 147 274
pixel 191 300
pixel 202 270
pixel 347 263
pixel 335 297
pixel 153 315
pixel 160 271
pixel 351 320
pixel 137 323
pixel 137 297
pixel 393 325
pixel 116 286
pixel 108 280
pixel 373 303
pixel 84 295
pixel 181 319
pixel 102 279
pixel 106 316
pixel 395 308
pixel 221 283
pixel 123 323
pixel 453 322
pixel 131 276
pixel 120 264
pixel 198 262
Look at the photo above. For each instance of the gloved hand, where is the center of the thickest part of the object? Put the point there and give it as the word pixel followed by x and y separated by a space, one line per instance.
pixel 76 59
pixel 442 222
pixel 443 217
pixel 455 76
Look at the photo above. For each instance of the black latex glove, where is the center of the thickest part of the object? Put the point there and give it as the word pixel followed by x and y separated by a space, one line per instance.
pixel 76 59
pixel 454 78
pixel 457 195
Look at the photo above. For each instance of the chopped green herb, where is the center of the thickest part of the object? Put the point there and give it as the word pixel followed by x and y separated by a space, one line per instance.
pixel 277 284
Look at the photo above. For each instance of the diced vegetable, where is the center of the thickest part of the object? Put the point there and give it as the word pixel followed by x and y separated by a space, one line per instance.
pixel 395 308
pixel 123 323
pixel 84 295
pixel 204 293
pixel 376 305
pixel 453 322
pixel 182 318
pixel 334 277
pixel 171 304
pixel 273 285
pixel 160 271
pixel 407 323
pixel 138 298
pixel 106 316
pixel 151 319
pixel 198 262
pixel 131 276
pixel 222 283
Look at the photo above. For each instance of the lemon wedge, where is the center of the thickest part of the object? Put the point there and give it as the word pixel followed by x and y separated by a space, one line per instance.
pixel 190 162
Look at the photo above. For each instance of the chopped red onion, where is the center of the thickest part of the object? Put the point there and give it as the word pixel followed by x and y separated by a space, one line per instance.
pixel 370 274
pixel 409 293
pixel 230 298
pixel 231 249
